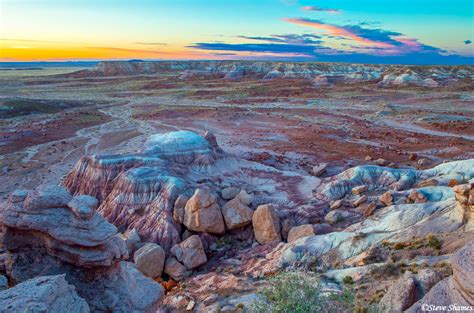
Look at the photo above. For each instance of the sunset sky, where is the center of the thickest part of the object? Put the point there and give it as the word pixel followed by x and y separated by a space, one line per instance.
pixel 371 31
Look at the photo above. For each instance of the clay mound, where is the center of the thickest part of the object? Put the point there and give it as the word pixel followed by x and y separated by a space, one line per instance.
pixel 438 213
pixel 138 191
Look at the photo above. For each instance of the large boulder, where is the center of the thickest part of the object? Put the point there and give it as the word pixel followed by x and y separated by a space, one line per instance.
pixel 229 193
pixel 190 252
pixel 266 224
pixel 150 260
pixel 175 270
pixel 43 294
pixel 203 214
pixel 301 231
pixel 236 214
pixel 400 296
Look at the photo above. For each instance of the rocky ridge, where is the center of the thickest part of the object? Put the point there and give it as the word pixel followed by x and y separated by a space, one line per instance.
pixel 320 73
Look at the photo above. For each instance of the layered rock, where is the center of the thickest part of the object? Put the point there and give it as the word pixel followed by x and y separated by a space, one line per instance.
pixel 457 289
pixel 152 191
pixel 43 294
pixel 321 74
pixel 50 232
pixel 400 222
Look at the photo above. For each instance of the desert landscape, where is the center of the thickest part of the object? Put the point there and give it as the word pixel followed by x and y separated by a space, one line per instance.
pixel 231 186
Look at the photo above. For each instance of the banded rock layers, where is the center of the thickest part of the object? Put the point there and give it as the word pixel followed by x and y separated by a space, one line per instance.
pixel 45 234
pixel 174 182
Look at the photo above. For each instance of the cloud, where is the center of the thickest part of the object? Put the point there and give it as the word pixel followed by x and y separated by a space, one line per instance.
pixel 467 42
pixel 357 44
pixel 319 9
pixel 365 36
pixel 288 38
pixel 256 47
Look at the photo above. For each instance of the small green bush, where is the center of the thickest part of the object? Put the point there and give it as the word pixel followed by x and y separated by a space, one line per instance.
pixel 299 292
pixel 434 242
pixel 348 280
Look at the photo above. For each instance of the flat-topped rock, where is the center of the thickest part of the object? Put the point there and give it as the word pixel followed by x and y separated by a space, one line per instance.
pixel 57 220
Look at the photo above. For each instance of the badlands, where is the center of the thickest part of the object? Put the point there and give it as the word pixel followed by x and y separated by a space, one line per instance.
pixel 237 187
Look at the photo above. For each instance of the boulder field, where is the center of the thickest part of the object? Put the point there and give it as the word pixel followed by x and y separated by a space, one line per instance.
pixel 184 226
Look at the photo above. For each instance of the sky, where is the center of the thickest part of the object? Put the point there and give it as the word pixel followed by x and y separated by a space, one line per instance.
pixel 361 31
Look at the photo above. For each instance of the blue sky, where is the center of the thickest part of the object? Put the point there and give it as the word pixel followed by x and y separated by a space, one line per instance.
pixel 369 31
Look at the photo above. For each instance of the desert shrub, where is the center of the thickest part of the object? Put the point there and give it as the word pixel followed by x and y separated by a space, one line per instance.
pixel 300 292
pixel 434 242
pixel 398 246
pixel 348 280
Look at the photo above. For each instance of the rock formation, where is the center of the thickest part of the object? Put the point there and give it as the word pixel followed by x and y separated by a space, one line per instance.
pixel 174 182
pixel 49 232
pixel 457 289
pixel 399 222
pixel 266 224
pixel 321 74
pixel 43 294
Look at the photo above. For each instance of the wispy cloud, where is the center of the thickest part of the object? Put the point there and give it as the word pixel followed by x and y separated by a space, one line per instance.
pixel 319 9
pixel 355 44
pixel 288 38
pixel 371 37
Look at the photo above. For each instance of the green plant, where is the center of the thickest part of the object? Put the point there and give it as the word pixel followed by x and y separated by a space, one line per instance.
pixel 299 292
pixel 434 242
pixel 348 280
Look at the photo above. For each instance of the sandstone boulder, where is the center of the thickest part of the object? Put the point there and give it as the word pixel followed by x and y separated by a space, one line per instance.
pixel 179 208
pixel 400 296
pixel 43 294
pixel 266 224
pixel 236 214
pixel 150 260
pixel 360 200
pixel 190 252
pixel 202 213
pixel 386 198
pixel 368 208
pixel 175 270
pixel 301 231
pixel 359 189
pixel 229 193
pixel 244 197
